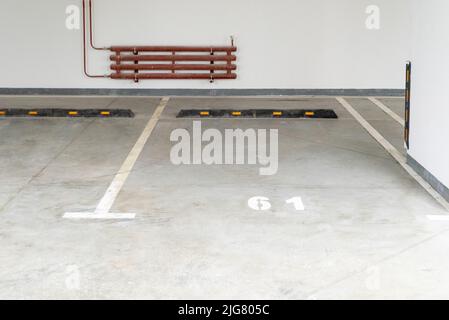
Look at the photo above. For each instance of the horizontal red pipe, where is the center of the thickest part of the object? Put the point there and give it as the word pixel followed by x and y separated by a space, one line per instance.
pixel 172 49
pixel 186 76
pixel 212 67
pixel 173 58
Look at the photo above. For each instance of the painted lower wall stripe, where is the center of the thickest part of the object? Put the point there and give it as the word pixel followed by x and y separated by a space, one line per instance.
pixel 388 111
pixel 393 152
pixel 106 203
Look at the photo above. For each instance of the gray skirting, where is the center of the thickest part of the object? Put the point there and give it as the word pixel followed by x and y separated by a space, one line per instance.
pixel 430 178
pixel 203 92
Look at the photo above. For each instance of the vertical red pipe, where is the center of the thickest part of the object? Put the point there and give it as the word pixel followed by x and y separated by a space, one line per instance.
pixel 84 47
pixel 91 31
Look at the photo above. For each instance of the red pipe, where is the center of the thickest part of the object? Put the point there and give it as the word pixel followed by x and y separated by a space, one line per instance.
pixel 173 58
pixel 172 48
pixel 91 32
pixel 228 57
pixel 170 76
pixel 85 49
pixel 203 67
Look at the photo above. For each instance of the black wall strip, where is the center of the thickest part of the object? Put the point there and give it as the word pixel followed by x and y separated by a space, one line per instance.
pixel 407 104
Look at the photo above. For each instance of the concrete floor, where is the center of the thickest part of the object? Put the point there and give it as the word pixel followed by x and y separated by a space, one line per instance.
pixel 364 233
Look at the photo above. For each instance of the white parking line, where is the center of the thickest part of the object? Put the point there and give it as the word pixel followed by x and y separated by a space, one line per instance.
pixel 388 111
pixel 393 152
pixel 103 209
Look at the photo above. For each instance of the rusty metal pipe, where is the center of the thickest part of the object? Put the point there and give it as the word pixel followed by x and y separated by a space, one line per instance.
pixel 133 54
pixel 171 49
pixel 91 31
pixel 203 67
pixel 85 49
pixel 171 76
pixel 173 58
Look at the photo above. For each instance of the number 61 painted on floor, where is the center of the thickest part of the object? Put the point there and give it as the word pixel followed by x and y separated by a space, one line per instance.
pixel 264 204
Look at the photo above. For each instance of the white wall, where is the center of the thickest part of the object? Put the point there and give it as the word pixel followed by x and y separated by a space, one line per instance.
pixel 299 43
pixel 430 87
